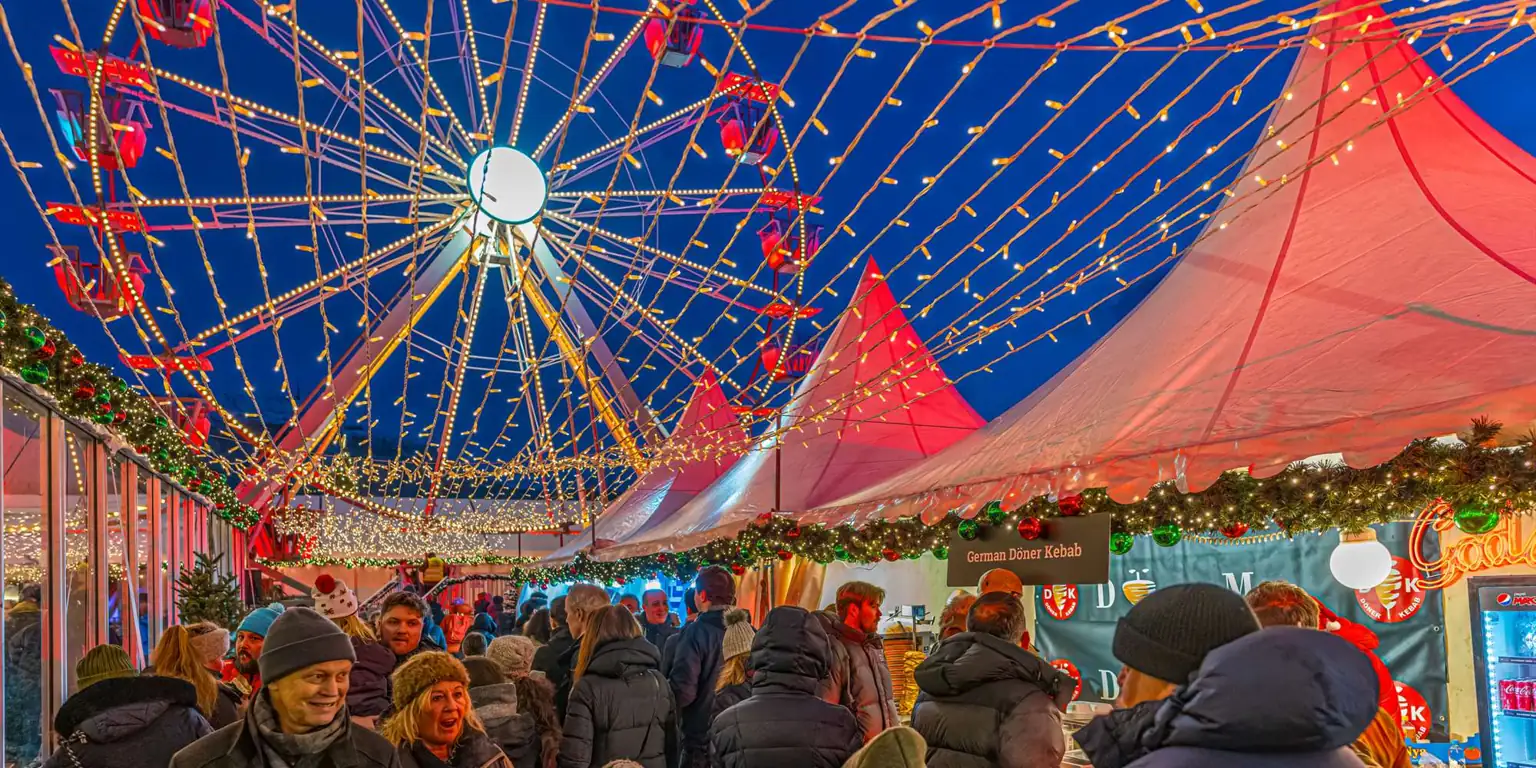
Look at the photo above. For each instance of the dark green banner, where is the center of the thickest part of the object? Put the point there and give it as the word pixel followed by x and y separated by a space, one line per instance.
pixel 1075 624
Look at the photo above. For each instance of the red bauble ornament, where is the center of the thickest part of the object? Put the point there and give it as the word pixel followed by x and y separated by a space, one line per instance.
pixel 619 582
pixel 85 391
pixel 119 417
pixel 1070 505
pixel 144 450
pixel 793 533
pixel 75 359
pixel 784 554
pixel 104 407
pixel 738 568
pixel 662 558
pixel 766 517
pixel 46 351
pixel 890 555
pixel 1030 528
pixel 1235 530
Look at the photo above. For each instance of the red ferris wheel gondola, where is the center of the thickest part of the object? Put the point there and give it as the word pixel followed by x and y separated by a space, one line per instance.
pixel 90 287
pixel 178 23
pixel 782 249
pixel 125 118
pixel 674 42
pixel 796 361
pixel 747 132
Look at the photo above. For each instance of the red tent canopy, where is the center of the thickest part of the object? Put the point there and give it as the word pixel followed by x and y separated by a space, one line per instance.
pixel 874 403
pixel 1346 306
pixel 698 451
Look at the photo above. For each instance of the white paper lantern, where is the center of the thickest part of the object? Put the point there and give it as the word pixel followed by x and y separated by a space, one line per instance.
pixel 1360 561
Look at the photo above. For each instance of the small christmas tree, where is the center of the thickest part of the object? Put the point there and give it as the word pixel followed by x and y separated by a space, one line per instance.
pixel 207 595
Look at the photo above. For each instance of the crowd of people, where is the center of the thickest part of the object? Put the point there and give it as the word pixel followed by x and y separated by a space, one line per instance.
pixel 1209 678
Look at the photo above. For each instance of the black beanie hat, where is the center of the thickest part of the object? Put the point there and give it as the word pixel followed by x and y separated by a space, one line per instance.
pixel 299 638
pixel 1169 632
pixel 482 672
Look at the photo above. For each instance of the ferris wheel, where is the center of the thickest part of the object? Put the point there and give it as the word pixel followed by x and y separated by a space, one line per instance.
pixel 406 184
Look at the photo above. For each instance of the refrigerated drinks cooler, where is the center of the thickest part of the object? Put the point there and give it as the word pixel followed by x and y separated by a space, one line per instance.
pixel 1504 657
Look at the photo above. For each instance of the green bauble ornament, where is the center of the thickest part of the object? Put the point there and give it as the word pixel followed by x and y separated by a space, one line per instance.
pixel 35 373
pixel 2 321
pixel 161 422
pixel 839 552
pixel 1167 534
pixel 102 418
pixel 162 455
pixel 1476 518
pixel 969 529
pixel 35 337
pixel 941 553
pixel 103 398
pixel 1121 542
pixel 993 513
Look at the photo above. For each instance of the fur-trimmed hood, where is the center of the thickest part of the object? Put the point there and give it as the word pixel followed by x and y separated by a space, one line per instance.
pixel 117 708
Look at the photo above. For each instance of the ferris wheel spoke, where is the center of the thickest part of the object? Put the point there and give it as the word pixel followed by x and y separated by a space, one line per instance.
pixel 275 202
pixel 527 79
pixel 580 102
pixel 456 385
pixel 246 108
pixel 637 140
pixel 336 59
pixel 425 71
pixel 678 261
pixel 344 276
pixel 474 80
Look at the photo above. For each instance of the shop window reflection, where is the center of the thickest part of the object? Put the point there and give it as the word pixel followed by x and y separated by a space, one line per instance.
pixel 26 611
pixel 79 568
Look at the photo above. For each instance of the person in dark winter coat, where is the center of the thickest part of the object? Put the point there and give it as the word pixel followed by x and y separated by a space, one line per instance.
pixel 24 677
pixel 620 705
pixel 654 618
pixel 485 625
pixel 494 700
pixel 555 657
pixel 1282 698
pixel 697 659
pixel 985 702
pixel 1161 641
pixel 368 692
pixel 785 722
pixel 734 681
pixel 859 678
pixel 434 724
pixel 299 717
pixel 121 720
pixel 186 653
pixel 513 655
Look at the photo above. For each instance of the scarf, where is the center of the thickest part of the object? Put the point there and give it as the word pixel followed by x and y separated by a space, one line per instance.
pixel 293 750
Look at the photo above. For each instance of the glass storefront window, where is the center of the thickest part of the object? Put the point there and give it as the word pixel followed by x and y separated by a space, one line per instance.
pixel 117 556
pixel 143 559
pixel 26 611
pixel 79 568
pixel 168 572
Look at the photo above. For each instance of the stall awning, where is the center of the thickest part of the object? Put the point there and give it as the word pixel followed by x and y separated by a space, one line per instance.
pixel 874 403
pixel 1377 286
pixel 701 448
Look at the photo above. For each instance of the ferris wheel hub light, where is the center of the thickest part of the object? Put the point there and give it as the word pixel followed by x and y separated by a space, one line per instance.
pixel 507 185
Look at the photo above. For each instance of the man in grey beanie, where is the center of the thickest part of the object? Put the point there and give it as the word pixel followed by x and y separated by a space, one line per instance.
pixel 299 717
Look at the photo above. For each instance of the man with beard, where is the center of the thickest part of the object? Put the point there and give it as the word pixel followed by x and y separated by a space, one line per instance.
pixel 400 626
pixel 242 672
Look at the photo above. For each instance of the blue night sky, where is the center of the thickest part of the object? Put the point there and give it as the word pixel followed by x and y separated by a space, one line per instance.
pixel 854 103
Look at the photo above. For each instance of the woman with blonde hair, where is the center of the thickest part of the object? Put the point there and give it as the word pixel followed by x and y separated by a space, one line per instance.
pixel 621 706
pixel 433 724
pixel 368 694
pixel 735 680
pixel 185 653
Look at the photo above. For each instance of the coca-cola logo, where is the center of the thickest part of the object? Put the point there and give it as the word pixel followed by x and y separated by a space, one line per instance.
pixel 1413 711
pixel 1071 669
pixel 1060 600
pixel 1395 599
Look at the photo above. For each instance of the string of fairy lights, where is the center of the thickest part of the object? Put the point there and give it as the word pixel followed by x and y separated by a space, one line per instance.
pixel 572 453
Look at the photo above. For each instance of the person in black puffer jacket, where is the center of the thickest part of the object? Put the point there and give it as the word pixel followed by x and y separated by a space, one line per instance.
pixel 368 693
pixel 785 722
pixel 698 654
pixel 121 720
pixel 984 702
pixel 620 706
pixel 513 655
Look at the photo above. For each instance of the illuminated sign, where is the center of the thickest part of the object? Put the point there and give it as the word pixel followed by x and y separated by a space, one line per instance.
pixel 1507 544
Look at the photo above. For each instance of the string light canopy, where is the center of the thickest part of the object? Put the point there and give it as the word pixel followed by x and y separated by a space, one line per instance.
pixel 390 330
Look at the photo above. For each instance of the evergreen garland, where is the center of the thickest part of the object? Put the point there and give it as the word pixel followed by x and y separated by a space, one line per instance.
pixel 207 595
pixel 33 350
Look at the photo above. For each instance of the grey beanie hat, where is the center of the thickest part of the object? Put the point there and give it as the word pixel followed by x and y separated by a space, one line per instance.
pixel 300 638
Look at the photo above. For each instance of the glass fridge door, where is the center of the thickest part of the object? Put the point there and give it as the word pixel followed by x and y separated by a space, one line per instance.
pixel 1504 640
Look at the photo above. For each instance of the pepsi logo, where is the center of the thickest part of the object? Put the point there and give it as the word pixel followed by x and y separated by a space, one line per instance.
pixel 1503 599
pixel 1060 600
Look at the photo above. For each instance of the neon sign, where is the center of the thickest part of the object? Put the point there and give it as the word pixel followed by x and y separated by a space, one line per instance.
pixel 1507 544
